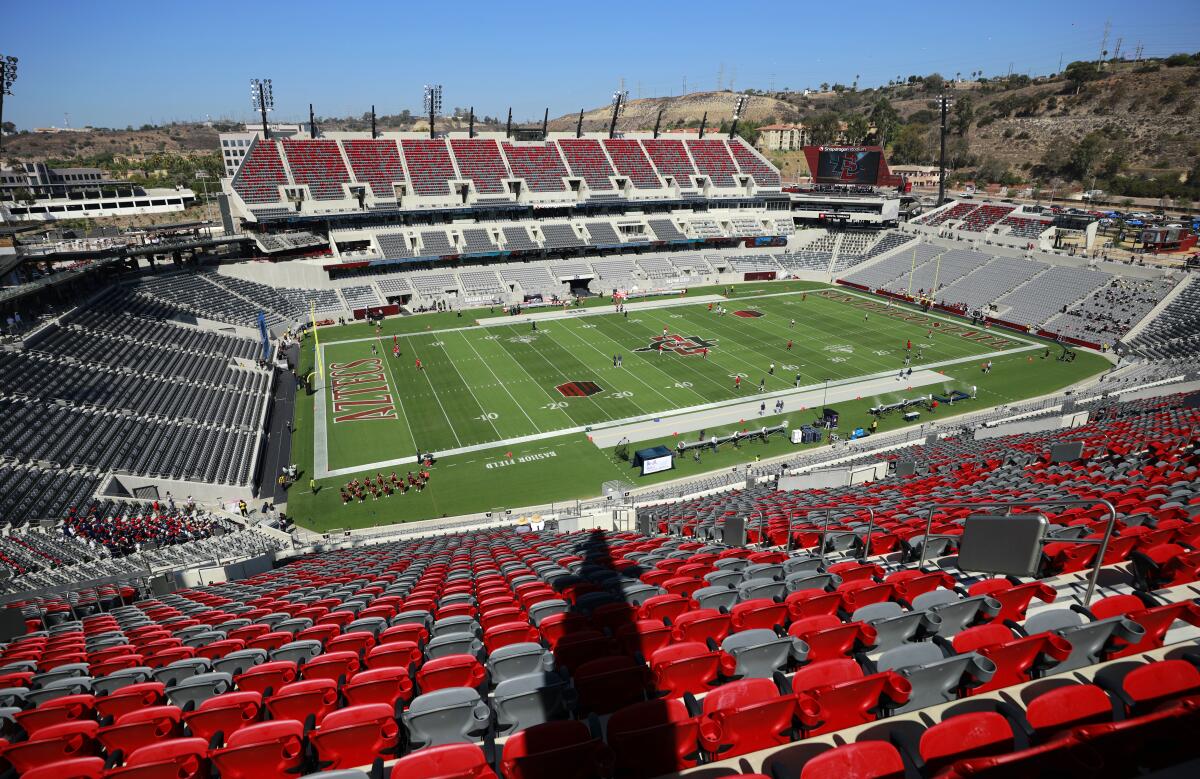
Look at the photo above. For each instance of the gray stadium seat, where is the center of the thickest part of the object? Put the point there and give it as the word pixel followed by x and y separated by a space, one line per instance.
pixel 449 716
pixel 759 652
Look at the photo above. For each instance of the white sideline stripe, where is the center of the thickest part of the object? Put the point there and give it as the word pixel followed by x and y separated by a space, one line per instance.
pixel 809 397
pixel 867 379
pixel 321 450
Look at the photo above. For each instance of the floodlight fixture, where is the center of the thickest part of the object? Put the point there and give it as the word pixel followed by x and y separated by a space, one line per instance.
pixel 8 74
pixel 263 100
pixel 433 103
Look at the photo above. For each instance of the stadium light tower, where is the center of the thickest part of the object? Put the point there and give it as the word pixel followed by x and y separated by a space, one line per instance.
pixel 8 74
pixel 433 103
pixel 263 100
pixel 739 111
pixel 944 103
pixel 619 98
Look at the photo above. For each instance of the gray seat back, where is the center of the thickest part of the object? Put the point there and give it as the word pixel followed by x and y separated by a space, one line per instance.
pixel 297 651
pixel 539 611
pixel 529 700
pixel 509 662
pixel 107 685
pixel 75 685
pixel 797 564
pixel 205 638
pixel 372 625
pixel 240 661
pixel 934 679
pixel 13 696
pixel 721 578
pixel 453 715
pixel 174 673
pixel 955 613
pixel 415 617
pixel 199 688
pixel 1088 639
pixel 762 571
pixel 806 580
pixel 294 625
pixel 637 593
pixel 893 625
pixel 715 597
pixel 460 624
pixel 454 644
pixel 760 588
pixel 67 671
pixel 759 652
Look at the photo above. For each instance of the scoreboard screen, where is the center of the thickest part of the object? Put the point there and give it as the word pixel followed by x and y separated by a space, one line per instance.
pixel 847 165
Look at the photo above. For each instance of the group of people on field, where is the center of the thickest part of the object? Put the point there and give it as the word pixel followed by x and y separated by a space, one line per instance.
pixel 381 487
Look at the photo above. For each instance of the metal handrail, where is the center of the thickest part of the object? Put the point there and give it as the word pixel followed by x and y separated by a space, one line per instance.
pixel 828 512
pixel 1093 577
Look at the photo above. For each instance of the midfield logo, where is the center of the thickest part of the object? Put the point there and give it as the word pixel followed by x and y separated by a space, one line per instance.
pixel 679 344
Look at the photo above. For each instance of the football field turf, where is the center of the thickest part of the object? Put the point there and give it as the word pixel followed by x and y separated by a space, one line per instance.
pixel 484 386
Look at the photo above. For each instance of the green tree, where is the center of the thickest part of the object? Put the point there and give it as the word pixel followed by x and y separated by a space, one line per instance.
pixel 824 128
pixel 1079 73
pixel 8 127
pixel 857 128
pixel 911 146
pixel 934 82
pixel 964 113
pixel 1086 155
pixel 885 119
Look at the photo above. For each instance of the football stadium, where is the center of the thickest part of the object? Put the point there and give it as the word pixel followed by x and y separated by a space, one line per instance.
pixel 598 447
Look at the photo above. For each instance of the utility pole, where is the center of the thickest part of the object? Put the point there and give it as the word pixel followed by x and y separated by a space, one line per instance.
pixel 1117 49
pixel 944 103
pixel 1104 40
pixel 374 134
pixel 312 122
pixel 684 90
pixel 579 125
pixel 471 123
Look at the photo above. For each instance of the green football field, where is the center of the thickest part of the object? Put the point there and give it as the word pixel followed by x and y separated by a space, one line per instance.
pixel 489 402
pixel 509 382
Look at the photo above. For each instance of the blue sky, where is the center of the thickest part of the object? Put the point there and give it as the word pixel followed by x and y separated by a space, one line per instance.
pixel 122 62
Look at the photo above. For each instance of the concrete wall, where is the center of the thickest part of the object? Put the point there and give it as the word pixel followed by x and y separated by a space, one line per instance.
pixel 1030 426
pixel 834 477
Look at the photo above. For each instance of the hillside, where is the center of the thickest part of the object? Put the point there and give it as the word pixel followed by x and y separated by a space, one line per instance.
pixel 171 139
pixel 685 111
pixel 1129 128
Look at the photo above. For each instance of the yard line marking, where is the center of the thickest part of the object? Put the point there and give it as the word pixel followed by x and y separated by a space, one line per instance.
pixel 436 397
pixel 461 378
pixel 635 375
pixel 538 384
pixel 412 435
pixel 502 385
pixel 561 375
